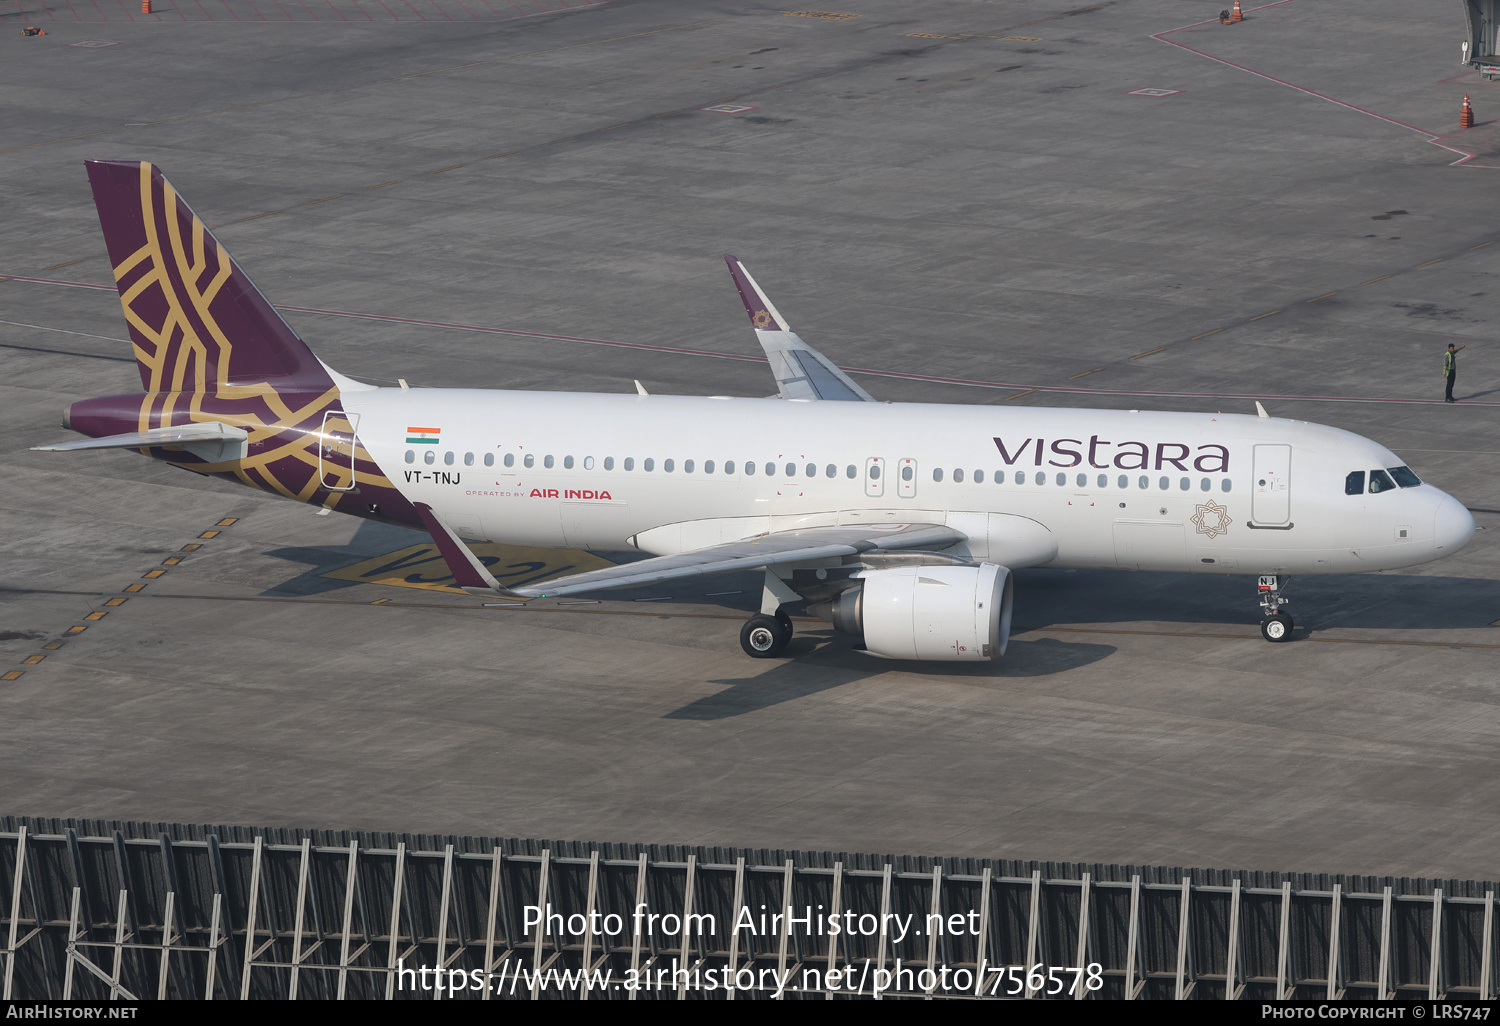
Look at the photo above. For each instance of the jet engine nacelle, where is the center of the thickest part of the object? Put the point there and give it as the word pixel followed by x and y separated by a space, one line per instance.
pixel 940 613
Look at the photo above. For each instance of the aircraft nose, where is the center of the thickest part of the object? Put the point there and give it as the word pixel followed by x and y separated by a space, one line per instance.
pixel 1452 527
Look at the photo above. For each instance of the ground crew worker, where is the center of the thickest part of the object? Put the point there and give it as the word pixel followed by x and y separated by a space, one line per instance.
pixel 1450 369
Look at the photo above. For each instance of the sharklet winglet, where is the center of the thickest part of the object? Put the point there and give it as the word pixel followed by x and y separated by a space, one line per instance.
pixel 468 572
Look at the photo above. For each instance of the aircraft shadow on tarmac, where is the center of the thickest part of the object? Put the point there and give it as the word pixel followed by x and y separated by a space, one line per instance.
pixel 822 660
pixel 1044 597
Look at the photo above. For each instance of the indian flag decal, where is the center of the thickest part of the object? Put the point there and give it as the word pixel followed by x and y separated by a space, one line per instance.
pixel 422 436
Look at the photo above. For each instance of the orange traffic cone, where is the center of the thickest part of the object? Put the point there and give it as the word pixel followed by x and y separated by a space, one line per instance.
pixel 1236 14
pixel 1466 116
pixel 145 6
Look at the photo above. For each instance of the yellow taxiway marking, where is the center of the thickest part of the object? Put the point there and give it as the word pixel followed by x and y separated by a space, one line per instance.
pixel 382 185
pixel 442 169
pixel 97 614
pixel 255 217
pixel 1431 262
pixel 12 675
pixel 210 534
pixel 77 630
pixel 507 153
pixel 1325 295
pixel 32 660
pixel 611 128
pixel 1205 334
pixel 153 574
pixel 1137 356
pixel 53 646
pixel 325 199
pixel 824 15
pixel 70 263
pixel 227 522
pixel 1480 246
pixel 1372 281
pixel 117 601
pixel 1019 394
pixel 1086 373
pixel 1267 314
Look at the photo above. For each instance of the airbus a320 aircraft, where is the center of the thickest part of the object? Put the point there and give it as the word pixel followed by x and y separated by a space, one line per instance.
pixel 900 523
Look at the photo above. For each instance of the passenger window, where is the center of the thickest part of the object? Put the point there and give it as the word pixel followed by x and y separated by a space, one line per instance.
pixel 958 476
pixel 1083 480
pixel 648 464
pixel 907 473
pixel 609 463
pixel 979 477
pixel 1020 477
pixel 874 472
pixel 629 463
pixel 1041 477
pixel 567 463
pixel 1354 484
pixel 489 459
pixel 687 466
pixel 510 459
pixel 852 472
pixel 770 470
pixel 548 461
pixel 429 457
pixel 708 466
pixel 447 459
pixel 1185 484
pixel 937 473
pixel 1103 480
pixel 1062 480
pixel 468 459
pixel 812 470
pixel 1123 482
pixel 791 470
pixel 588 463
pixel 729 466
pixel 411 456
pixel 749 468
pixel 830 471
pixel 666 465
pixel 1404 477
pixel 1225 485
pixel 1143 481
pixel 1380 481
pixel 1206 486
pixel 1164 483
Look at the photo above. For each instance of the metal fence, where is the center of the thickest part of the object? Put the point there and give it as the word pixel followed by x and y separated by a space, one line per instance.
pixel 98 910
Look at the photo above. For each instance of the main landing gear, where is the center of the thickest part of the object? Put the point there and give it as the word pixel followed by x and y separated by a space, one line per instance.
pixel 1276 625
pixel 764 637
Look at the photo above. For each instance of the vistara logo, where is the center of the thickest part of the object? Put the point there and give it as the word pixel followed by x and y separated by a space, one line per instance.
pixel 761 319
pixel 1212 519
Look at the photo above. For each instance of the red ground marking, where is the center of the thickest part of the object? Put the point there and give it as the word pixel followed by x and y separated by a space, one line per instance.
pixel 741 357
pixel 236 17
pixel 413 10
pixel 1434 139
pixel 250 4
pixel 358 8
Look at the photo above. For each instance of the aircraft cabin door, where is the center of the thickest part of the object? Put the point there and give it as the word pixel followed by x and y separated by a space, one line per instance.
pixel 875 477
pixel 336 451
pixel 906 486
pixel 1271 500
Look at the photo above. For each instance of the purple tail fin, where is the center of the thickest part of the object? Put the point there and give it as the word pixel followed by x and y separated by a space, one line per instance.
pixel 197 321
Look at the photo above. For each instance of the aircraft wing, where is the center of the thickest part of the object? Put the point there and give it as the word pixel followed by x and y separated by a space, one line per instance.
pixel 801 371
pixel 750 553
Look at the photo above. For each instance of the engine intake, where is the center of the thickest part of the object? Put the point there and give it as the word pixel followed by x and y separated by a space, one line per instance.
pixel 938 613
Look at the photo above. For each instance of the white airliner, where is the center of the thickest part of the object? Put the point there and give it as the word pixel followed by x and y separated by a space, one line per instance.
pixel 900 523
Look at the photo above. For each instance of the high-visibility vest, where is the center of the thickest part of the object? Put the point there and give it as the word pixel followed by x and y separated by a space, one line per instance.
pixel 1448 363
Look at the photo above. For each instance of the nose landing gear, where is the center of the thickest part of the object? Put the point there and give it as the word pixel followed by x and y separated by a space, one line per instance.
pixel 764 637
pixel 1275 625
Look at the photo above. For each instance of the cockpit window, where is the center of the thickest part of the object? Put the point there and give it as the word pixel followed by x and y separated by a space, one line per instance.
pixel 1354 484
pixel 1380 481
pixel 1404 477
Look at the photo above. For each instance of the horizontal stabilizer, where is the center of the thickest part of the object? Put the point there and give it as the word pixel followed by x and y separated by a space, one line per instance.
pixel 750 553
pixel 801 371
pixel 184 435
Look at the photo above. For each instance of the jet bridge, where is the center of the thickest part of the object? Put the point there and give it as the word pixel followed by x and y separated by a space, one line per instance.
pixel 1481 47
